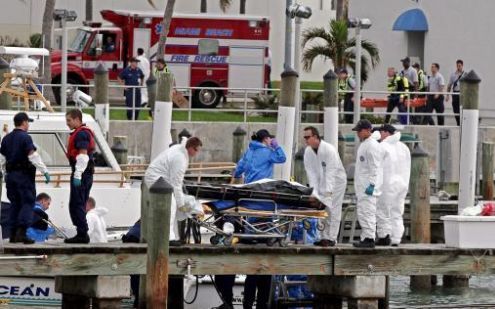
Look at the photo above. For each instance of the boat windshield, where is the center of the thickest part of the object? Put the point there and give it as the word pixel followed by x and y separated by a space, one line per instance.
pixel 80 40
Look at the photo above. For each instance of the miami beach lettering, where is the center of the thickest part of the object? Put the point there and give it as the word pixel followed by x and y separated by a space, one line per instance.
pixel 27 291
pixel 198 59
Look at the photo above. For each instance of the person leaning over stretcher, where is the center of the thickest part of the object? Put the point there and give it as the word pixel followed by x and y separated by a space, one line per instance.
pixel 256 164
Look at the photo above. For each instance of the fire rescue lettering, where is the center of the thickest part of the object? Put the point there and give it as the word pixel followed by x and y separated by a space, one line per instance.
pixel 211 32
pixel 198 59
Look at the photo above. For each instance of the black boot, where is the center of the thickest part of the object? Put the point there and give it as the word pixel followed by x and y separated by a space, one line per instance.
pixel 20 236
pixel 13 237
pixel 385 241
pixel 366 243
pixel 78 239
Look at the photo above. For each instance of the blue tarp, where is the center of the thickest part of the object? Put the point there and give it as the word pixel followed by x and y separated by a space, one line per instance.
pixel 411 20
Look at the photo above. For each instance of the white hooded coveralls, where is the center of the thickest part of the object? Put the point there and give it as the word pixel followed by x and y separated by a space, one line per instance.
pixel 368 171
pixel 396 172
pixel 171 165
pixel 144 65
pixel 97 228
pixel 327 177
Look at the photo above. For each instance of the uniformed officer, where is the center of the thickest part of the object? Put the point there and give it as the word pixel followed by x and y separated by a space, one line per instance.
pixel 347 83
pixel 132 76
pixel 19 157
pixel 80 150
pixel 396 83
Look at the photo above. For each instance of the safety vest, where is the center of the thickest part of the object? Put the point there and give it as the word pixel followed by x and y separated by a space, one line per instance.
pixel 398 83
pixel 72 151
pixel 421 78
pixel 156 72
pixel 344 86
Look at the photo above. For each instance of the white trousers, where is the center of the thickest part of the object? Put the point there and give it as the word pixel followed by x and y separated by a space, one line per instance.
pixel 174 225
pixel 334 211
pixel 389 216
pixel 366 214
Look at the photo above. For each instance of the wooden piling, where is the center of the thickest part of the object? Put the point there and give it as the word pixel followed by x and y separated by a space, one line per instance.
pixel 331 108
pixel 144 239
pixel 164 87
pixel 119 149
pixel 5 98
pixel 419 190
pixel 160 200
pixel 238 144
pixel 101 85
pixel 487 170
pixel 290 78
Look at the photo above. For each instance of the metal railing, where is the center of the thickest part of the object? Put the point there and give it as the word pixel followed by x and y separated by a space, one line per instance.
pixel 241 102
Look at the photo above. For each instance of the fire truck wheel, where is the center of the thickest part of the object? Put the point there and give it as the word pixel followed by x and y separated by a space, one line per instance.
pixel 206 98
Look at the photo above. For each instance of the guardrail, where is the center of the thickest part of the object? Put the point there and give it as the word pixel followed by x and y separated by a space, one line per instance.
pixel 241 102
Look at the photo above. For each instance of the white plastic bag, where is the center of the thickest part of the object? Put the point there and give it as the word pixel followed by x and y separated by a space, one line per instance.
pixel 191 207
pixel 473 210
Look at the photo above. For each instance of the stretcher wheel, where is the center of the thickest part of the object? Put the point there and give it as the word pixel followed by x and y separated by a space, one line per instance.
pixel 321 225
pixel 271 241
pixel 306 224
pixel 228 240
pixel 215 239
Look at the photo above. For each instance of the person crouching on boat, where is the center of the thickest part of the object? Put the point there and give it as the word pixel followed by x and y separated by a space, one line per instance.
pixel 171 165
pixel 327 177
pixel 256 164
pixel 19 156
pixel 80 150
pixel 40 230
pixel 97 227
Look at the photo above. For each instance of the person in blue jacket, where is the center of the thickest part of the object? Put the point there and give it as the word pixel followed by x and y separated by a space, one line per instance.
pixel 256 164
pixel 40 230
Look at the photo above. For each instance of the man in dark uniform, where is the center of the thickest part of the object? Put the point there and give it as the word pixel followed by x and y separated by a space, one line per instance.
pixel 80 154
pixel 132 76
pixel 18 154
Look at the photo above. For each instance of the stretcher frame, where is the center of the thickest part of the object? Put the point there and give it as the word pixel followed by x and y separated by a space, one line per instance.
pixel 277 230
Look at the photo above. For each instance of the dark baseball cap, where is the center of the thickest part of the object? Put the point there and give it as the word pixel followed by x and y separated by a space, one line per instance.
pixel 21 117
pixel 263 133
pixel 406 59
pixel 363 124
pixel 343 71
pixel 386 127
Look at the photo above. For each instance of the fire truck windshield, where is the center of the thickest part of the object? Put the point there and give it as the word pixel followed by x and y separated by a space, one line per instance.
pixel 80 41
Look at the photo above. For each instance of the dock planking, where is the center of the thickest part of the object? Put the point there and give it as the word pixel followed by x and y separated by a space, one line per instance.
pixel 121 259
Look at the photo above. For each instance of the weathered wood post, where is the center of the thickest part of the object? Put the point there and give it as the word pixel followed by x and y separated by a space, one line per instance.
pixel 160 200
pixel 5 98
pixel 469 139
pixel 145 204
pixel 119 149
pixel 162 115
pixel 487 161
pixel 102 104
pixel 285 121
pixel 331 108
pixel 238 144
pixel 419 189
pixel 151 86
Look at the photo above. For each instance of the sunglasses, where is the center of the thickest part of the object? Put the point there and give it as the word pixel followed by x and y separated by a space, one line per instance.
pixel 307 137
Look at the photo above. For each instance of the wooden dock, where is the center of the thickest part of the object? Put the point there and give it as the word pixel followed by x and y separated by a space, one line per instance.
pixel 122 259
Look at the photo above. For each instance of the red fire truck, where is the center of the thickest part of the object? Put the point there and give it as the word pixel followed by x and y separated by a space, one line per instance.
pixel 201 50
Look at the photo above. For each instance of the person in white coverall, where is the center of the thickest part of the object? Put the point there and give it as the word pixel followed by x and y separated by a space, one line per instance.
pixel 367 182
pixel 171 165
pixel 144 65
pixel 327 177
pixel 396 172
pixel 97 227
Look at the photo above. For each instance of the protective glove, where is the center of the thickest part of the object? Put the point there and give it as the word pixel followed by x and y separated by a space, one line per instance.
pixel 370 189
pixel 47 177
pixel 76 182
pixel 274 143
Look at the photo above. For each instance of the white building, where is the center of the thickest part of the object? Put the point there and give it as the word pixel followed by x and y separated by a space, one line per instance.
pixel 21 18
pixel 456 29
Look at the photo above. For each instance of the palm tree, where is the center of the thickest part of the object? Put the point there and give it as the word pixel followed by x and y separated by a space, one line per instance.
pixel 335 45
pixel 342 9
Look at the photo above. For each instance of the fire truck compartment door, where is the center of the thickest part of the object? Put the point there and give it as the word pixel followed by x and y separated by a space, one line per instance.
pixel 246 67
pixel 142 38
pixel 182 73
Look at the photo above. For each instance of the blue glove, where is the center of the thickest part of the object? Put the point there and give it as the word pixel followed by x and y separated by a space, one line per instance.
pixel 370 189
pixel 47 177
pixel 274 143
pixel 76 182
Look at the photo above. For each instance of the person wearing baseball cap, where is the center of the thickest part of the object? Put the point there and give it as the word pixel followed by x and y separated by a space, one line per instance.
pixel 132 76
pixel 396 173
pixel 347 84
pixel 19 157
pixel 367 182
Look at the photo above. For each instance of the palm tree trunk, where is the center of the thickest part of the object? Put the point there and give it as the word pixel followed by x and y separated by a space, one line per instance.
pixel 342 9
pixel 167 18
pixel 89 10
pixel 46 32
pixel 204 6
pixel 242 8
